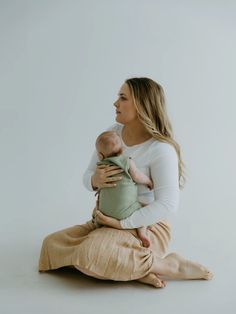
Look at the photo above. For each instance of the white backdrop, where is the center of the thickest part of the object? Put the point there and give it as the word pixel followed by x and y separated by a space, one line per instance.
pixel 62 64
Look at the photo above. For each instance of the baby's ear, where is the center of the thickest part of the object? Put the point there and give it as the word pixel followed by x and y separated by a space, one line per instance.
pixel 120 151
pixel 101 156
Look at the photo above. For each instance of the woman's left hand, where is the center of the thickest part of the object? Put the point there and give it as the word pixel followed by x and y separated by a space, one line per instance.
pixel 106 220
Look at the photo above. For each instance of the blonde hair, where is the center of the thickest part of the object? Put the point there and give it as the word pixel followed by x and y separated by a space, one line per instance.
pixel 149 100
pixel 109 144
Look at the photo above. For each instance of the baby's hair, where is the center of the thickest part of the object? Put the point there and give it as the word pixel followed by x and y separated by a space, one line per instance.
pixel 109 144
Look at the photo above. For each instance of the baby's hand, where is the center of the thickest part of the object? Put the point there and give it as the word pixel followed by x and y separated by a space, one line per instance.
pixel 150 184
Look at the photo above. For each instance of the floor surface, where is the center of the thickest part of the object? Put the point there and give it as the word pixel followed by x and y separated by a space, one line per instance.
pixel 24 290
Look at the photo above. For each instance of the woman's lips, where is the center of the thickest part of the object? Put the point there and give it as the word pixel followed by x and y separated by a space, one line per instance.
pixel 117 112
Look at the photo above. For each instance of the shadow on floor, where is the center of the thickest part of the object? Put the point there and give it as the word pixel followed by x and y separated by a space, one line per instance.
pixel 75 279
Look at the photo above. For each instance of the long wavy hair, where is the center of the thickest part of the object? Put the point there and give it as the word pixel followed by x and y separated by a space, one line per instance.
pixel 149 100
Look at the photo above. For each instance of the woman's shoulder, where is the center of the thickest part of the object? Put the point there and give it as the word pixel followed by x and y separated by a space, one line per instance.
pixel 158 149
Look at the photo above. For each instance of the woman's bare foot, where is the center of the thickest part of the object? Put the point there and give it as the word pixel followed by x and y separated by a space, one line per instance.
pixel 186 269
pixel 153 280
pixel 142 233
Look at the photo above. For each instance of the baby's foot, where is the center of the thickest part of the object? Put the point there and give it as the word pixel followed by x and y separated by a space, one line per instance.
pixel 142 233
pixel 186 269
pixel 145 241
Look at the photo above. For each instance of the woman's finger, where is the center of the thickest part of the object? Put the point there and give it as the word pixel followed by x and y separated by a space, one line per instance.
pixel 109 185
pixel 111 168
pixel 101 218
pixel 107 166
pixel 111 179
pixel 101 166
pixel 111 182
pixel 114 172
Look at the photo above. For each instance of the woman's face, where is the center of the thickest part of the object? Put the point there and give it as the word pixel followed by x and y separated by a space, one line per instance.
pixel 125 109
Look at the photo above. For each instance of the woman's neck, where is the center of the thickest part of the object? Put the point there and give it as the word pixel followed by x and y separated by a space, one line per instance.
pixel 134 133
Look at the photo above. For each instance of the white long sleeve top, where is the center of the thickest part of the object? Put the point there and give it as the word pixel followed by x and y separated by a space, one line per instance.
pixel 158 160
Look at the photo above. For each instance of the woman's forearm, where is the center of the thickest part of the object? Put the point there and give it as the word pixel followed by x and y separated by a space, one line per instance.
pixel 162 208
pixel 87 180
pixel 164 173
pixel 89 172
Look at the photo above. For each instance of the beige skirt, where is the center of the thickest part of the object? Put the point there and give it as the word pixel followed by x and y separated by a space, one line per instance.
pixel 104 253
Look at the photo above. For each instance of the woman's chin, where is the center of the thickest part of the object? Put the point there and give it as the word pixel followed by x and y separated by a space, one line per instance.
pixel 117 119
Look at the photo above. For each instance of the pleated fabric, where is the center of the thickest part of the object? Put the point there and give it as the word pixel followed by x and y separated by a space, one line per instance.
pixel 104 253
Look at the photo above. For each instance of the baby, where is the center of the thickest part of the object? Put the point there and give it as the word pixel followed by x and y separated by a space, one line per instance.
pixel 122 200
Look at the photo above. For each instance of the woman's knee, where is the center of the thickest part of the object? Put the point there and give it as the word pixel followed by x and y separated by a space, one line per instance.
pixel 50 238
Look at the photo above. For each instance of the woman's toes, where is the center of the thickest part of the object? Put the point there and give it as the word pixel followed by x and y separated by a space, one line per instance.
pixel 159 283
pixel 208 275
pixel 163 283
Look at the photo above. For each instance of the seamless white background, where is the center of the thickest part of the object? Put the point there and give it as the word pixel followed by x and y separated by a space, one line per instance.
pixel 62 64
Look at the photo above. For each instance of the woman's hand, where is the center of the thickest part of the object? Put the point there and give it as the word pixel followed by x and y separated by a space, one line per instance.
pixel 106 220
pixel 104 176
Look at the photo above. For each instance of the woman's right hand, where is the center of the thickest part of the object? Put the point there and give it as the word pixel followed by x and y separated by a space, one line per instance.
pixel 103 176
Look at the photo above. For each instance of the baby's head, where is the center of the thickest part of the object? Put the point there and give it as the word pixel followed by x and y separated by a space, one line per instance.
pixel 108 144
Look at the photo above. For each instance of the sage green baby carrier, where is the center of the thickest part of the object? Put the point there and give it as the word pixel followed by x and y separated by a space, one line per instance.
pixel 122 200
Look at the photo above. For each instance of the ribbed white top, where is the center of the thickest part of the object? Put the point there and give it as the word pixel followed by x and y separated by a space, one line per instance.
pixel 158 160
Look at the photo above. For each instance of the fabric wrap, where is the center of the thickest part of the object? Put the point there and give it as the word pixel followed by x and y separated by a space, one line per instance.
pixel 122 200
pixel 104 253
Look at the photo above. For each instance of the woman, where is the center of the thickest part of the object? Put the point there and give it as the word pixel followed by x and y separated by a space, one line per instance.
pixel 114 251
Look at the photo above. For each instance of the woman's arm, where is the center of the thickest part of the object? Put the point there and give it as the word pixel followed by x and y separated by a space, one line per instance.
pixel 90 171
pixel 164 173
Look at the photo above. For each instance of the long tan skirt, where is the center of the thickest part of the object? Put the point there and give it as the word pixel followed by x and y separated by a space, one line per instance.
pixel 104 253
